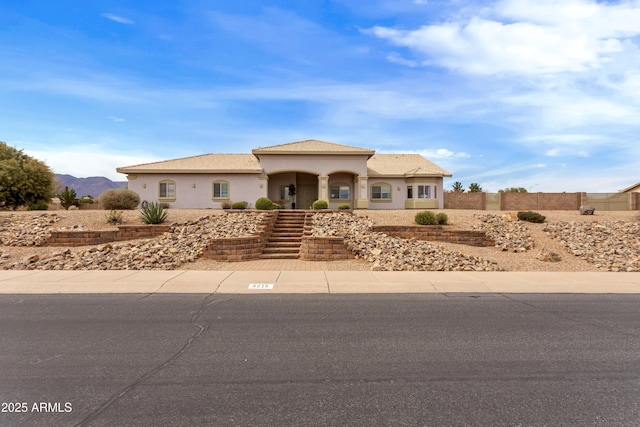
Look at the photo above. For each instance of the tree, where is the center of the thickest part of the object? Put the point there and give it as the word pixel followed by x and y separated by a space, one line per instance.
pixel 457 187
pixel 68 198
pixel 474 187
pixel 23 179
pixel 513 190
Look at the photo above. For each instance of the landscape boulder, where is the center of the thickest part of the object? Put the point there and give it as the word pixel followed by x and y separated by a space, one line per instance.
pixel 587 210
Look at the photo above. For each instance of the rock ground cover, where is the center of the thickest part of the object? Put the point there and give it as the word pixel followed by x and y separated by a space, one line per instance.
pixel 607 241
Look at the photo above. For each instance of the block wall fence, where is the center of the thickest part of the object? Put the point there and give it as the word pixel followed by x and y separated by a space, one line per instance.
pixel 542 201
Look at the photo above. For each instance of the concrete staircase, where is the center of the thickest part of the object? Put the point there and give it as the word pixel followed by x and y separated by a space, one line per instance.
pixel 286 236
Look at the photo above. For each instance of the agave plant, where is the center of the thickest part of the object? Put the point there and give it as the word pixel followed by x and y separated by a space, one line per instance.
pixel 153 213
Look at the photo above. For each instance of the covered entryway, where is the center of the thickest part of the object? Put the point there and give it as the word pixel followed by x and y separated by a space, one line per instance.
pixel 307 190
pixel 305 186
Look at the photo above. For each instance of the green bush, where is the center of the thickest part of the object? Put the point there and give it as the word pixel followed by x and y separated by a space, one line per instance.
pixel 119 198
pixel 114 217
pixel 239 205
pixel 275 206
pixel 264 204
pixel 426 218
pixel 68 198
pixel 153 213
pixel 40 205
pixel 320 204
pixel 531 217
pixel 343 207
pixel 442 218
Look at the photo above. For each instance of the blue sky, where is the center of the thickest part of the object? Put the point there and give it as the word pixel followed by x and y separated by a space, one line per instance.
pixel 540 94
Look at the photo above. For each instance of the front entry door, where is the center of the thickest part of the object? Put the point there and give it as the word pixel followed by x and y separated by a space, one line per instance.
pixel 306 195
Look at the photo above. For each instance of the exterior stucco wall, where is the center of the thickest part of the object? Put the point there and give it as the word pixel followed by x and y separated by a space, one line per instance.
pixel 398 193
pixel 317 164
pixel 196 190
pixel 343 179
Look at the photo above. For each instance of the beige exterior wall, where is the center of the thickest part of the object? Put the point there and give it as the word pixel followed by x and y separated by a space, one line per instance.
pixel 318 164
pixel 314 173
pixel 196 190
pixel 329 169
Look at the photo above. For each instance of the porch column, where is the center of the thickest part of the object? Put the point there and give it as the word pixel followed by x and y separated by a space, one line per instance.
pixel 323 188
pixel 362 193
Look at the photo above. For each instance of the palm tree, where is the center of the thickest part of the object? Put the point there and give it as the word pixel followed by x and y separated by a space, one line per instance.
pixel 474 187
pixel 457 187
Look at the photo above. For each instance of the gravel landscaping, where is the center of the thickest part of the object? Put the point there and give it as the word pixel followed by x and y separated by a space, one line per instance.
pixel 567 241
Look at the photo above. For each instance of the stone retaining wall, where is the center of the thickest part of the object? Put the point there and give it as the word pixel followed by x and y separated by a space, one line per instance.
pixel 323 249
pixel 235 248
pixel 231 249
pixel 438 233
pixel 124 232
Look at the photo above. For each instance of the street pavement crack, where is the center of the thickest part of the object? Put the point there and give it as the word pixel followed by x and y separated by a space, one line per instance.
pixel 201 329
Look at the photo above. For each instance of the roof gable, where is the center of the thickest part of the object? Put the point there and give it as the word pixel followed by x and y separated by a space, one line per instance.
pixel 403 165
pixel 312 146
pixel 633 188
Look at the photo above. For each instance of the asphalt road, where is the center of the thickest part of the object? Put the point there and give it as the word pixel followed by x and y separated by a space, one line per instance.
pixel 184 360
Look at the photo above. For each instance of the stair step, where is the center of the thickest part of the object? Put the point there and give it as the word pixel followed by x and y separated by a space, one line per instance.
pixel 286 236
pixel 279 256
pixel 284 244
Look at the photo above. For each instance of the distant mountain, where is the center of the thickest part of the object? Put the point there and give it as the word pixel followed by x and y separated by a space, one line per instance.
pixel 92 186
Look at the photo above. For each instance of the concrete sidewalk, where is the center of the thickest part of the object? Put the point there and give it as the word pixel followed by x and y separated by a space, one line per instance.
pixel 318 282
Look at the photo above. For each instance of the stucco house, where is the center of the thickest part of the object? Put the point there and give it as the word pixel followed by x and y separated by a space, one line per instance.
pixel 316 170
pixel 635 188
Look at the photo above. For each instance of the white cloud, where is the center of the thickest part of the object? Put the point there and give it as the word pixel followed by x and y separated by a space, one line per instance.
pixel 116 119
pixel 117 18
pixel 525 37
pixel 443 153
pixel 398 59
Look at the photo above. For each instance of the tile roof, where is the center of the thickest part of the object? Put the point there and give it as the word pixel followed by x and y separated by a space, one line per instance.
pixel 631 188
pixel 205 163
pixel 312 146
pixel 403 165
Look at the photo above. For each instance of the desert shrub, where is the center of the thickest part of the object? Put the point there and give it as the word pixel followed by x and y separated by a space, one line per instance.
pixel 114 217
pixel 68 198
pixel 226 205
pixel 425 218
pixel 40 205
pixel 264 204
pixel 320 204
pixel 343 207
pixel 164 205
pixel 239 205
pixel 442 218
pixel 119 198
pixel 153 213
pixel 86 199
pixel 531 217
pixel 275 206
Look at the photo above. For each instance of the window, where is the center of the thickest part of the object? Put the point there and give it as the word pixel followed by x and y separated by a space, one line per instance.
pixel 221 190
pixel 381 192
pixel 284 192
pixel 339 192
pixel 424 191
pixel 409 192
pixel 167 190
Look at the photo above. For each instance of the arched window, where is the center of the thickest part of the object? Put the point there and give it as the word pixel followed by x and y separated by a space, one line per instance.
pixel 339 191
pixel 221 190
pixel 381 192
pixel 167 191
